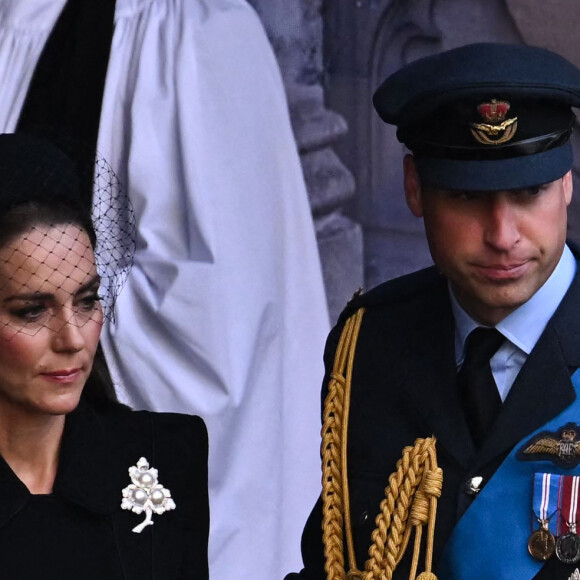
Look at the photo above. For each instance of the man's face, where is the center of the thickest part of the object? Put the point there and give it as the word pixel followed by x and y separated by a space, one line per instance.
pixel 496 248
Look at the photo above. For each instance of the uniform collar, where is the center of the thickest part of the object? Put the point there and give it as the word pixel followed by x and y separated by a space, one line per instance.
pixel 524 326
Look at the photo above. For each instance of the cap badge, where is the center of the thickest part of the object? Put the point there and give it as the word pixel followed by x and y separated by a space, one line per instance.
pixel 495 129
pixel 561 448
pixel 146 494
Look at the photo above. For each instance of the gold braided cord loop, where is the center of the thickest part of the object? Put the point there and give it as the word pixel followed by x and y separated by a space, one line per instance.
pixel 410 500
pixel 410 503
pixel 344 445
pixel 332 444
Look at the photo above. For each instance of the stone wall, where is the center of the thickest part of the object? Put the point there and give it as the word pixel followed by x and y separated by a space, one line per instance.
pixel 294 28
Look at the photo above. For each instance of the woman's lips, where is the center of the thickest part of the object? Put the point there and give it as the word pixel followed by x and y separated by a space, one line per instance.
pixel 63 376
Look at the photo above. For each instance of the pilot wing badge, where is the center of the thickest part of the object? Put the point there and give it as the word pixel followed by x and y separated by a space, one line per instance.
pixel 562 447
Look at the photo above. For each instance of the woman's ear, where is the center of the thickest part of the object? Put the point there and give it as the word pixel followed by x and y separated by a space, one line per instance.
pixel 412 185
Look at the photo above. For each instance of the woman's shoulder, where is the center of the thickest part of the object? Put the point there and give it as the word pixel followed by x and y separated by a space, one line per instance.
pixel 172 425
pixel 175 427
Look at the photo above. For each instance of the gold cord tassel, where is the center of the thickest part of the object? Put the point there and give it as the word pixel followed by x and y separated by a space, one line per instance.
pixel 410 498
pixel 410 503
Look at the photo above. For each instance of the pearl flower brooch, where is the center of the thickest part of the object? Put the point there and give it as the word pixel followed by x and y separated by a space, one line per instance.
pixel 146 494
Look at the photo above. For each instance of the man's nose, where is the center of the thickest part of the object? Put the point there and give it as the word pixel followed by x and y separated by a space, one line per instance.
pixel 502 227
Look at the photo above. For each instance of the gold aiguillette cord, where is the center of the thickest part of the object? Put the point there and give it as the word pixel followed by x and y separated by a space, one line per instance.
pixel 410 498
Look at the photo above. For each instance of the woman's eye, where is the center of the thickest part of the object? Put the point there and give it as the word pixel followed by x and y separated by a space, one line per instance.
pixel 29 313
pixel 89 302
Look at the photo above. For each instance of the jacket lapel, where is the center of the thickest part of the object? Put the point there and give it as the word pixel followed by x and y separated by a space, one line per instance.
pixel 543 387
pixel 541 391
pixel 432 374
pixel 13 491
pixel 92 472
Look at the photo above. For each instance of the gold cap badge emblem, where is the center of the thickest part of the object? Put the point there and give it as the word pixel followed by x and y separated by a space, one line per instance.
pixel 496 129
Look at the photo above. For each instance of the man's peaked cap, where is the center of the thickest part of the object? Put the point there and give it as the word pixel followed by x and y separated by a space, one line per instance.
pixel 485 116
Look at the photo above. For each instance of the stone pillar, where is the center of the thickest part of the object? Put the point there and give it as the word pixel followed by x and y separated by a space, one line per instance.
pixel 294 28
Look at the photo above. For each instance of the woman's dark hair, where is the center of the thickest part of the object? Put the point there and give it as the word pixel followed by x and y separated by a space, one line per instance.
pixel 19 219
pixel 99 389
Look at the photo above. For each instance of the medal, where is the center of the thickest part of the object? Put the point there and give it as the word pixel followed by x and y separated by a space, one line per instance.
pixel 568 547
pixel 568 544
pixel 542 543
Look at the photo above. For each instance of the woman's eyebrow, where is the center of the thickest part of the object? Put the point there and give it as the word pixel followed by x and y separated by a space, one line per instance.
pixel 39 296
pixel 94 281
pixel 29 296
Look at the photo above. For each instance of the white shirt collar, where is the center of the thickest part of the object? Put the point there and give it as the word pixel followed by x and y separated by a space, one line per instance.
pixel 524 325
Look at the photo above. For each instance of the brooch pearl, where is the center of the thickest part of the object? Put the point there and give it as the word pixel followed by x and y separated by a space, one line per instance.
pixel 147 480
pixel 139 496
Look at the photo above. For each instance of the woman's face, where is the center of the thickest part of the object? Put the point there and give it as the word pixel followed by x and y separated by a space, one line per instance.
pixel 50 319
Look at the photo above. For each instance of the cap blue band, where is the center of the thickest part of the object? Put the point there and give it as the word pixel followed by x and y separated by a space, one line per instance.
pixel 497 174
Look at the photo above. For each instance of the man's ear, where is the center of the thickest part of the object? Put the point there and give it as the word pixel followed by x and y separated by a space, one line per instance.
pixel 412 185
pixel 568 187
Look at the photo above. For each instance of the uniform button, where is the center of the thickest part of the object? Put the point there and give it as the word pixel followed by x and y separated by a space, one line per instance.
pixel 473 485
pixel 364 518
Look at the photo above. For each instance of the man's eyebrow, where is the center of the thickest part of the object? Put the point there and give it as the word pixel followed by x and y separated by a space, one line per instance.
pixel 39 296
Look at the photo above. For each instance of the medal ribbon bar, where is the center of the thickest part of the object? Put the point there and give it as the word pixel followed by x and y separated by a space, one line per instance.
pixel 569 509
pixel 545 502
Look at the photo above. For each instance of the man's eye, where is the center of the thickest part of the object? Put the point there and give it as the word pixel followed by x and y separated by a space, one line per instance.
pixel 533 191
pixel 468 195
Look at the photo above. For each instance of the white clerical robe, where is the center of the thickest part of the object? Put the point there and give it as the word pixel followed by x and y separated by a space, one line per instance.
pixel 224 313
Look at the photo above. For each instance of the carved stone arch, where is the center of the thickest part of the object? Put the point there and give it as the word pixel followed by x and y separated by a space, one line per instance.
pixel 364 42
